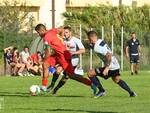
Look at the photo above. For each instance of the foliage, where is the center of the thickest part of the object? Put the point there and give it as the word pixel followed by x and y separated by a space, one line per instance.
pixel 130 18
pixel 14 19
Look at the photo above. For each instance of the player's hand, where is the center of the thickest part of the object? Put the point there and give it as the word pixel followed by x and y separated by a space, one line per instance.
pixel 105 72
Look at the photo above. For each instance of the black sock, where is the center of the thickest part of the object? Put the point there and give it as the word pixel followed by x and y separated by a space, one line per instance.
pixel 54 79
pixel 96 82
pixel 60 84
pixel 123 85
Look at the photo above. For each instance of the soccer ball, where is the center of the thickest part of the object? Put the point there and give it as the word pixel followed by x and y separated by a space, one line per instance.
pixel 34 90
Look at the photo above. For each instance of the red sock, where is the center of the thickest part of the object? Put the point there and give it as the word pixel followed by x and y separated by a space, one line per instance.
pixel 44 82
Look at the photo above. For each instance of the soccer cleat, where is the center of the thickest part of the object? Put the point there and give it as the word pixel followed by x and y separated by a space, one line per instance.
pixel 20 74
pixel 54 92
pixel 136 72
pixel 100 94
pixel 43 88
pixel 94 88
pixel 133 94
pixel 49 89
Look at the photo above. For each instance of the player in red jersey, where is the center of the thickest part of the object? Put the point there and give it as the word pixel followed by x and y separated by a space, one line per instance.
pixel 53 42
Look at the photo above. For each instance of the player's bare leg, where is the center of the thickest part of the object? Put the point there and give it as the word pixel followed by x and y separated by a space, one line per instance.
pixel 45 76
pixel 136 68
pixel 123 85
pixel 132 68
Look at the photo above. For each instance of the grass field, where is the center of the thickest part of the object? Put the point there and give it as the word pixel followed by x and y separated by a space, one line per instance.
pixel 75 97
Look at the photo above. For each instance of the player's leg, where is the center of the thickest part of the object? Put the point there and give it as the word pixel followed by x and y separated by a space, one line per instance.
pixel 92 75
pixel 136 64
pixel 68 68
pixel 61 83
pixel 123 85
pixel 56 74
pixel 50 61
pixel 132 65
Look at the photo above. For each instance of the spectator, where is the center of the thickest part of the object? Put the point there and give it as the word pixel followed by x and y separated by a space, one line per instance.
pixel 133 50
pixel 24 55
pixel 19 66
pixel 36 63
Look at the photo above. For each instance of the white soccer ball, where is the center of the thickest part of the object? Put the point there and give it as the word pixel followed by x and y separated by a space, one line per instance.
pixel 35 90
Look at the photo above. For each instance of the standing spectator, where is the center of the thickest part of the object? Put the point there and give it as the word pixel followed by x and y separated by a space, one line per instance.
pixel 133 50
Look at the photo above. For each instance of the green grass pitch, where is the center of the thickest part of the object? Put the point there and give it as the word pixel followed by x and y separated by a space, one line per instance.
pixel 75 97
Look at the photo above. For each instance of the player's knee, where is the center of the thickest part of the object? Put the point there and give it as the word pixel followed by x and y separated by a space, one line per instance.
pixel 59 70
pixel 116 79
pixel 45 65
pixel 91 73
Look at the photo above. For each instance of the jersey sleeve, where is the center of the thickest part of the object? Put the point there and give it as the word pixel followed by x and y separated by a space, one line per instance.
pixel 79 43
pixel 102 49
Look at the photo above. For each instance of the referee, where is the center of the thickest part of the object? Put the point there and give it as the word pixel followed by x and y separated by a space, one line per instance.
pixel 133 52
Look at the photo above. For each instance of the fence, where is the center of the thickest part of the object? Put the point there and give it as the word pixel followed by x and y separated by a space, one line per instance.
pixel 117 44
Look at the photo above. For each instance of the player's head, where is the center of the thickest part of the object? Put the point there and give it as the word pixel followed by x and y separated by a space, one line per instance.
pixel 67 31
pixel 26 48
pixel 41 30
pixel 92 37
pixel 39 54
pixel 133 35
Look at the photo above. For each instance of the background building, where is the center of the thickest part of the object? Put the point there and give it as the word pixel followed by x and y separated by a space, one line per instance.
pixel 41 10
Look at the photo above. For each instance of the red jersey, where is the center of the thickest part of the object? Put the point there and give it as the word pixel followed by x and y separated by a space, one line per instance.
pixel 51 39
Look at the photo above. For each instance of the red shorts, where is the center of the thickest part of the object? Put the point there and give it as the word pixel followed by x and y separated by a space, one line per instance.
pixel 63 59
pixel 51 60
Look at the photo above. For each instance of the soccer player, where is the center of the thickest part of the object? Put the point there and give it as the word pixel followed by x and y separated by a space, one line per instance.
pixel 52 39
pixel 76 48
pixel 111 68
pixel 133 50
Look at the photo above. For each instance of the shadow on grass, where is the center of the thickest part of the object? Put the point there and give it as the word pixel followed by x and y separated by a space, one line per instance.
pixel 15 94
pixel 25 94
pixel 64 110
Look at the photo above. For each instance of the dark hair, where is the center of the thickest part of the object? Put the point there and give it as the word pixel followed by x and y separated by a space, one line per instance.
pixel 38 52
pixel 26 47
pixel 133 33
pixel 91 34
pixel 15 48
pixel 67 27
pixel 39 26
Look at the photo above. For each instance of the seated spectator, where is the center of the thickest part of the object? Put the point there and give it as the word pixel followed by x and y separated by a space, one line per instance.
pixel 8 58
pixel 35 63
pixel 19 66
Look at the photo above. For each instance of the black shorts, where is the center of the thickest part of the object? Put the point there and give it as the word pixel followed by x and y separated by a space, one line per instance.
pixel 134 58
pixel 111 73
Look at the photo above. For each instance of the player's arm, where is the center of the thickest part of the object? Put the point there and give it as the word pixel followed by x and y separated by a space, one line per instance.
pixel 127 51
pixel 80 51
pixel 139 50
pixel 108 58
pixel 80 46
pixel 47 51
